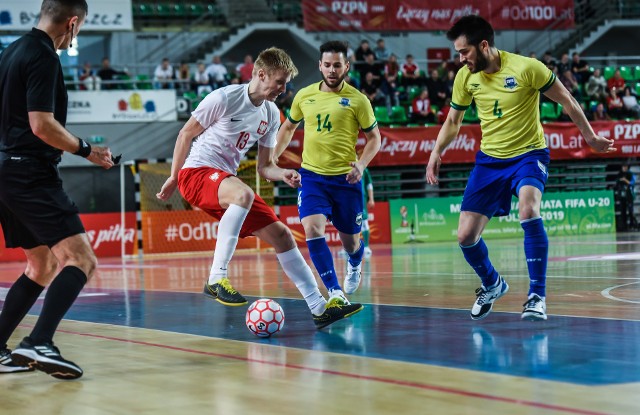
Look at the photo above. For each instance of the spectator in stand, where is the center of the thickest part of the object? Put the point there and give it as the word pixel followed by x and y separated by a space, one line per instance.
pixel 580 68
pixel 201 81
pixel 437 88
pixel 548 60
pixel 163 75
pixel 183 77
pixel 444 110
pixel 615 106
pixel 571 83
pixel 245 69
pixel 363 51
pixel 381 51
pixel 421 109
pixel 371 88
pixel 370 65
pixel 217 73
pixel 392 70
pixel 616 82
pixel 596 87
pixel 533 55
pixel 411 72
pixel 89 81
pixel 630 102
pixel 351 57
pixel 600 114
pixel 107 74
pixel 448 83
pixel 564 64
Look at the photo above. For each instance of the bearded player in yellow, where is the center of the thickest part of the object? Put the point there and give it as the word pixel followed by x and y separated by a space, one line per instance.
pixel 513 156
pixel 333 113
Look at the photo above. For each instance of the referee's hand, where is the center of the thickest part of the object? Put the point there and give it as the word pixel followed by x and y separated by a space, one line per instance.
pixel 101 156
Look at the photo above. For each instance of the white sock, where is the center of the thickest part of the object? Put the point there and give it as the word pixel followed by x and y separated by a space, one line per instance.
pixel 228 231
pixel 299 272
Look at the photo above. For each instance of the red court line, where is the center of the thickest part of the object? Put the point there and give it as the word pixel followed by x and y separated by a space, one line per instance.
pixel 416 385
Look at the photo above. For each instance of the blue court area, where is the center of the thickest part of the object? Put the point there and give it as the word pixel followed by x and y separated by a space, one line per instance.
pixel 586 351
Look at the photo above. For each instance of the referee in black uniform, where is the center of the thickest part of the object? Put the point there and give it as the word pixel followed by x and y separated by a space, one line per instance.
pixel 35 212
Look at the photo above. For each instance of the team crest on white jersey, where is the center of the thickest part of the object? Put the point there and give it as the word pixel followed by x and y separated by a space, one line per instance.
pixel 262 128
pixel 214 177
pixel 510 82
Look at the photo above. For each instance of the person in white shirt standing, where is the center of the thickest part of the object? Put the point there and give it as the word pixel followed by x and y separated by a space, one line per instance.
pixel 163 75
pixel 226 124
pixel 217 73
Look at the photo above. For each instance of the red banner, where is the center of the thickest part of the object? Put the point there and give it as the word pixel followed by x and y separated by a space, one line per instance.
pixel 378 223
pixel 419 15
pixel 412 145
pixel 103 230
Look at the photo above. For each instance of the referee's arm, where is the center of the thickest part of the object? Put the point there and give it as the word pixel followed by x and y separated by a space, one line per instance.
pixel 49 130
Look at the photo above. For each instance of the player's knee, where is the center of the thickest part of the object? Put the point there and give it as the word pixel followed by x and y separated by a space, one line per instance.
pixel 527 212
pixel 244 198
pixel 285 238
pixel 466 238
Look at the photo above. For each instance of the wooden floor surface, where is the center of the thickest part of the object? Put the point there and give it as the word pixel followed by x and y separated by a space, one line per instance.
pixel 149 342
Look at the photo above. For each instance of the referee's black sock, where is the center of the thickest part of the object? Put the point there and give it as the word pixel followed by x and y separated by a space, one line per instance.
pixel 59 298
pixel 21 296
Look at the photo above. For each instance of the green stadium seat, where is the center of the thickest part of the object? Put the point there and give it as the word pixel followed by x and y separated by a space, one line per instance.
pixel 637 88
pixel 627 73
pixel 398 114
pixel 382 115
pixel 143 82
pixel 163 10
pixel 549 111
pixel 195 10
pixel 608 72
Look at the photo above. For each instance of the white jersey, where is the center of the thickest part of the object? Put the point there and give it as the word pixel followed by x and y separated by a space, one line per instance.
pixel 232 125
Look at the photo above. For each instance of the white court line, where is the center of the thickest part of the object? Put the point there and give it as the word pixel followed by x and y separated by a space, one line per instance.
pixel 607 293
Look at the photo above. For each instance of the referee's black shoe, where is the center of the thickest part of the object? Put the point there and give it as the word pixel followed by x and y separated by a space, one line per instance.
pixel 7 365
pixel 224 293
pixel 46 358
pixel 334 311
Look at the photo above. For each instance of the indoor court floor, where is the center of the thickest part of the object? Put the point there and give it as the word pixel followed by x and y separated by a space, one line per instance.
pixel 151 343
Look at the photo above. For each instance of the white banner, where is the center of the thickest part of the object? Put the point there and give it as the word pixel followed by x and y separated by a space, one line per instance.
pixel 103 15
pixel 121 106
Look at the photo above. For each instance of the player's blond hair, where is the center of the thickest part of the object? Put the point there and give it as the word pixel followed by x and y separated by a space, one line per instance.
pixel 275 59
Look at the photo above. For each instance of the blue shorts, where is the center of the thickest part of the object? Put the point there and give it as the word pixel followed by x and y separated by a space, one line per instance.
pixel 493 181
pixel 333 197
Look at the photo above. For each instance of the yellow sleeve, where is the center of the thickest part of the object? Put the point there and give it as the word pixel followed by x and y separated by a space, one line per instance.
pixel 461 98
pixel 295 113
pixel 365 116
pixel 538 75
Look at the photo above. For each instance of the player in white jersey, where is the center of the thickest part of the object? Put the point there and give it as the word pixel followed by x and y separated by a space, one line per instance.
pixel 206 157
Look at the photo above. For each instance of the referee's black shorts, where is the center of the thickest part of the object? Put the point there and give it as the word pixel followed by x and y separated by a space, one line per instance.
pixel 34 209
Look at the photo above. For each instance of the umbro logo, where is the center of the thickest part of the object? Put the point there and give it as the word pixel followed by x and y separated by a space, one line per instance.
pixel 234 120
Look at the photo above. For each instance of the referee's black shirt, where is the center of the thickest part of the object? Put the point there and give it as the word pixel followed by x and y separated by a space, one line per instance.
pixel 31 79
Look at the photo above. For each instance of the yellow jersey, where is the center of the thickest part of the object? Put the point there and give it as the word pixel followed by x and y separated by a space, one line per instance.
pixel 332 121
pixel 507 102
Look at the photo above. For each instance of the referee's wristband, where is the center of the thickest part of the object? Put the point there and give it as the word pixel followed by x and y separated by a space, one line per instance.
pixel 84 150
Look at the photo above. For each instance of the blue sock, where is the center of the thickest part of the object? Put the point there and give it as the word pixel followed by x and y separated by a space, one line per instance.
pixel 536 250
pixel 356 258
pixel 477 255
pixel 323 261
